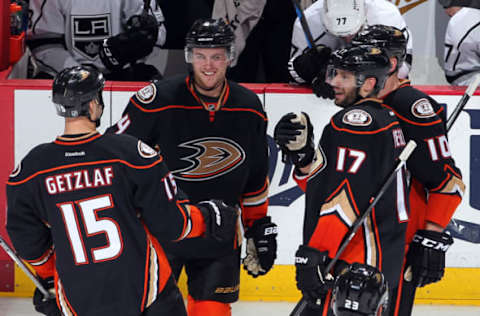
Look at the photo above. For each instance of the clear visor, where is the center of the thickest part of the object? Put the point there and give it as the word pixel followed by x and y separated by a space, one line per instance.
pixel 342 79
pixel 228 56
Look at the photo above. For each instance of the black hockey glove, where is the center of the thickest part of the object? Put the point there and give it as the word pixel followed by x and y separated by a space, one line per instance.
pixel 426 257
pixel 294 135
pixel 135 43
pixel 312 62
pixel 321 88
pixel 220 219
pixel 261 247
pixel 310 274
pixel 46 306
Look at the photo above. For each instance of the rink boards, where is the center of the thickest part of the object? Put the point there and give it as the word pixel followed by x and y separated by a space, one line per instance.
pixel 28 118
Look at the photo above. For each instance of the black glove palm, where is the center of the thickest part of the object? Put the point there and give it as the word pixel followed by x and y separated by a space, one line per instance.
pixel 261 247
pixel 294 135
pixel 135 43
pixel 220 219
pixel 312 62
pixel 426 257
pixel 46 306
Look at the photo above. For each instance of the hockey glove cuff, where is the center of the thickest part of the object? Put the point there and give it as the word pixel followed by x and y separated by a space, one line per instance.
pixel 220 219
pixel 321 88
pixel 311 276
pixel 294 135
pixel 46 306
pixel 261 247
pixel 426 257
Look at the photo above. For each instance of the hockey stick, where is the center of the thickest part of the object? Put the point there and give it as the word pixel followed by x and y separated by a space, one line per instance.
pixel 11 253
pixel 406 152
pixel 303 22
pixel 463 101
pixel 453 226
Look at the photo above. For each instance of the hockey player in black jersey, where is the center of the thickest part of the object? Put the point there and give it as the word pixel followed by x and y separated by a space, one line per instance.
pixel 436 187
pixel 89 212
pixel 212 133
pixel 357 151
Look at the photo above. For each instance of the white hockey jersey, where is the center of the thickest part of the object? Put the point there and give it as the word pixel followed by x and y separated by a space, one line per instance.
pixel 462 47
pixel 242 16
pixel 377 12
pixel 67 33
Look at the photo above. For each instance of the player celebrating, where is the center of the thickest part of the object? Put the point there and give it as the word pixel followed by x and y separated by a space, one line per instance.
pixel 212 133
pixel 436 187
pixel 333 23
pixel 361 143
pixel 86 212
pixel 462 61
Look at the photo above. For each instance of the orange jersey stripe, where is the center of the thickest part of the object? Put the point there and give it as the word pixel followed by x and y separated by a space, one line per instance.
pixel 86 164
pixel 410 121
pixel 362 133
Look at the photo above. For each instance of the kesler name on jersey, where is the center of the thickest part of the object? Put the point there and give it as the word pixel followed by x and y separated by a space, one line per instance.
pixel 77 180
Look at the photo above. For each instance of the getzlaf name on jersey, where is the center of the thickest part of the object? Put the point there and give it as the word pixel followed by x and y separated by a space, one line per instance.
pixel 89 174
pixel 233 167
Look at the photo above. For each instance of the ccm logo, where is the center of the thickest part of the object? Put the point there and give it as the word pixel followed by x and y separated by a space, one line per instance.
pixel 301 260
pixel 428 243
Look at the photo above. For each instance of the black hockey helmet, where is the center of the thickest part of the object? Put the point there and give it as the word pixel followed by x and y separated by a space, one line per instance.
pixel 459 3
pixel 365 61
pixel 74 88
pixel 360 289
pixel 391 39
pixel 209 33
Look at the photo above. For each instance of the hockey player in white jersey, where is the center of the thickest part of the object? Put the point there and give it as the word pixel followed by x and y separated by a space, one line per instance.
pixel 68 33
pixel 333 23
pixel 462 41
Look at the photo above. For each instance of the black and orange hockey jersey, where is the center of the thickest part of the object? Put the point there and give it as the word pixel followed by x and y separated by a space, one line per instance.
pixel 360 146
pixel 437 186
pixel 85 208
pixel 215 148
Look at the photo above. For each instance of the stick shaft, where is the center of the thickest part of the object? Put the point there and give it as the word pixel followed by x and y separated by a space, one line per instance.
pixel 303 23
pixel 24 268
pixel 463 101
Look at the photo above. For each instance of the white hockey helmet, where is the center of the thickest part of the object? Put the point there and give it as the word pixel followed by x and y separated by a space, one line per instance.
pixel 343 18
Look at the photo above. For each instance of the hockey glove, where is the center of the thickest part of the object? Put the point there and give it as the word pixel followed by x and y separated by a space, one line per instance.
pixel 426 257
pixel 311 276
pixel 261 247
pixel 220 219
pixel 294 135
pixel 312 62
pixel 321 88
pixel 46 306
pixel 135 43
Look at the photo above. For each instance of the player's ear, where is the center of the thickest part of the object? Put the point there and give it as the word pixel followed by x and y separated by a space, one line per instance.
pixel 368 86
pixel 393 64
